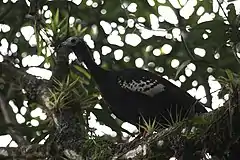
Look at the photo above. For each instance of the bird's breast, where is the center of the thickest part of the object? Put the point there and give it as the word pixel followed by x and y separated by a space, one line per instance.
pixel 123 103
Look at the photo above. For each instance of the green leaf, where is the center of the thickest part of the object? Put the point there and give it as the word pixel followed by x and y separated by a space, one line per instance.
pixel 55 22
pixel 229 74
pixel 56 18
pixel 199 120
pixel 207 5
pixel 82 71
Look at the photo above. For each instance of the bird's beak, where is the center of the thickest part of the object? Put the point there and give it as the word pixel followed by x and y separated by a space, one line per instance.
pixel 64 44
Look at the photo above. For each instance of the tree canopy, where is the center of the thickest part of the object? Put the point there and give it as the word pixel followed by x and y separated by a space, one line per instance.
pixel 48 100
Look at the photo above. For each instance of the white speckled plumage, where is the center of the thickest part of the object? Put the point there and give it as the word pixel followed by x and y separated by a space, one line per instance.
pixel 148 87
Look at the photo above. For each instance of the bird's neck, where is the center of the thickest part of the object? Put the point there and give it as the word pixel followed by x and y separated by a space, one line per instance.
pixel 96 71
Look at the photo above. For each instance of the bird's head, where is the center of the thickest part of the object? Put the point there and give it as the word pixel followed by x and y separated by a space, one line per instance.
pixel 74 42
pixel 78 46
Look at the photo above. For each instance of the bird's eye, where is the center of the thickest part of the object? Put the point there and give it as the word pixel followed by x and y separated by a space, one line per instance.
pixel 73 40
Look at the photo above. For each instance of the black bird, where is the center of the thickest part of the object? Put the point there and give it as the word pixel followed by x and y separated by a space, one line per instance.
pixel 135 94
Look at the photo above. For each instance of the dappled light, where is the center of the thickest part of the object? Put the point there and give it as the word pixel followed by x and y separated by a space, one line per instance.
pixel 23 110
pixel 20 119
pixel 132 39
pixel 191 66
pixel 193 44
pixel 40 72
pixel 194 83
pixel 1 58
pixel 168 14
pixel 132 7
pixel 206 17
pixel 188 9
pixel 188 72
pixel 182 78
pixel 159 69
pixel 118 54
pixel 200 10
pixel 32 60
pixel 4 28
pixel 34 122
pixel 106 27
pixel 131 128
pixel 217 56
pixel 101 130
pixel 200 52
pixel 27 32
pixel 139 62
pixel 106 50
pixel 4 46
pixel 156 52
pixel 7 138
pixel 201 94
pixel 175 63
pixel 14 107
pixel 166 48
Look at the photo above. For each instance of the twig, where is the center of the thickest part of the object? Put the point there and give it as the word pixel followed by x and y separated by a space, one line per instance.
pixel 223 11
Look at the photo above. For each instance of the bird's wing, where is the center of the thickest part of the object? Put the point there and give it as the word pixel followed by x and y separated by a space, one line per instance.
pixel 142 82
pixel 154 86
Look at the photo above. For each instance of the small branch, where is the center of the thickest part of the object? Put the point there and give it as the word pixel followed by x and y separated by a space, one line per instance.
pixel 223 11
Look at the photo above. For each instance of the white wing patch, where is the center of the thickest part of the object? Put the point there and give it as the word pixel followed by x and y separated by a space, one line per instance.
pixel 149 87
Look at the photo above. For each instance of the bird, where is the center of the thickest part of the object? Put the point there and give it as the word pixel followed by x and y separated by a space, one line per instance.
pixel 136 95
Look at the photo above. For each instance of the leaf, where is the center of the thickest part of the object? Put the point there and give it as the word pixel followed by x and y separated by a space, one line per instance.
pixel 229 75
pixel 55 22
pixel 199 120
pixel 82 71
pixel 56 18
pixel 207 5
pixel 181 67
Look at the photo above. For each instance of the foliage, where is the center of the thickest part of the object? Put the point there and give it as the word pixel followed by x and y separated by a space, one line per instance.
pixel 187 50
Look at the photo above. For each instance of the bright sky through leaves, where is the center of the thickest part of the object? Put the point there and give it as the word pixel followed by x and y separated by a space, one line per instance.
pixel 165 14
